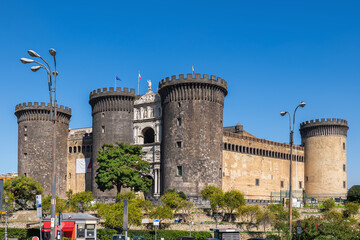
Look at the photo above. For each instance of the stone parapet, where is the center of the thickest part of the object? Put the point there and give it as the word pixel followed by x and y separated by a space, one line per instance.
pixel 324 127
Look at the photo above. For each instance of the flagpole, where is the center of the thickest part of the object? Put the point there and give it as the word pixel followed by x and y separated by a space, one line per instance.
pixel 138 83
pixel 115 82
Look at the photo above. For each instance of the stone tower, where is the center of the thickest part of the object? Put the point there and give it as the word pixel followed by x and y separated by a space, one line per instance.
pixel 35 144
pixel 325 157
pixel 112 115
pixel 192 132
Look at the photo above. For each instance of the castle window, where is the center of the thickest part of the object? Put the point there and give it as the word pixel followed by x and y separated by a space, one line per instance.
pixel 25 137
pixel 25 128
pixel 102 114
pixel 300 184
pixel 102 129
pixel 179 122
pixel 75 149
pixel 69 175
pixel 307 178
pixel 25 174
pixel 282 184
pixel 178 144
pixel 179 104
pixel 149 135
pixel 25 156
pixel 179 171
pixel 79 149
pixel 344 184
pixel 70 149
pixel 344 167
pixel 344 146
pixel 257 182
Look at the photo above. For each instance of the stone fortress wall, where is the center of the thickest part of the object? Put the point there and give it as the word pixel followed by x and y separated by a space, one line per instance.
pixel 112 114
pixel 78 160
pixel 182 134
pixel 191 149
pixel 325 154
pixel 35 141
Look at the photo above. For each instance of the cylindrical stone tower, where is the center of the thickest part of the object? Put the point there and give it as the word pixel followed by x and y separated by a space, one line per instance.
pixel 112 115
pixel 325 157
pixel 192 132
pixel 35 144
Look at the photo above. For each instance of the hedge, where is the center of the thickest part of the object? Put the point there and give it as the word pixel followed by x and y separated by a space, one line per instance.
pixel 106 234
pixel 20 233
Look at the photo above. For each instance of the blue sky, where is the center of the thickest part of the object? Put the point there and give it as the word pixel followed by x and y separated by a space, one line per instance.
pixel 273 54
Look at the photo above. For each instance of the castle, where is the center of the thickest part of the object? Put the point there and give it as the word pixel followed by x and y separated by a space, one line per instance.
pixel 181 130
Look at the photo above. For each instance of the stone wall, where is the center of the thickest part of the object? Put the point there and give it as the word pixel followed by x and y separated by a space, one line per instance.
pixel 112 112
pixel 258 167
pixel 192 132
pixel 35 144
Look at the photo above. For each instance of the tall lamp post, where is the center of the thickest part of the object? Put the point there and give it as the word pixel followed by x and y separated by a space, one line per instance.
pixel 6 216
pixel 302 104
pixel 53 116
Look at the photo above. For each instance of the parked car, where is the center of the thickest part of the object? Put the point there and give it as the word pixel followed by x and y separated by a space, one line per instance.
pixel 186 238
pixel 118 237
pixel 258 239
pixel 138 238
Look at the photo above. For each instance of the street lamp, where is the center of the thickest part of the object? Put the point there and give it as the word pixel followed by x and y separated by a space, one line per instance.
pixel 53 117
pixel 6 216
pixel 302 104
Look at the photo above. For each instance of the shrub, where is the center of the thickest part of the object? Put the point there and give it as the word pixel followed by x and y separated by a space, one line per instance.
pixel 351 208
pixel 105 234
pixel 333 216
pixel 328 204
pixel 273 237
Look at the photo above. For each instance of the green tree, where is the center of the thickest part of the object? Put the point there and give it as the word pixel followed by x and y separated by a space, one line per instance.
pixel 209 191
pixel 82 201
pixel 233 200
pixel 328 204
pixel 249 214
pixel 24 190
pixel 354 194
pixel 350 209
pixel 217 201
pixel 173 200
pixel 122 166
pixel 113 214
pixel 265 217
pixel 161 212
pixel 61 204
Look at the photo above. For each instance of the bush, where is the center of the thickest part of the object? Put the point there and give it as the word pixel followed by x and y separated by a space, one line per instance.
pixel 317 228
pixel 168 234
pixel 20 233
pixel 273 237
pixel 105 233
pixel 333 216
pixel 351 208
pixel 328 204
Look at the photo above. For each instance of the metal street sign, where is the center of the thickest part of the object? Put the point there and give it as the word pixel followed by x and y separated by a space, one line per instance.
pixel 299 223
pixel 298 230
pixel 156 222
pixel 38 206
pixel 144 220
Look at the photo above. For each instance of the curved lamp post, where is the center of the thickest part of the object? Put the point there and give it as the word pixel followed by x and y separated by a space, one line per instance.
pixel 53 116
pixel 302 104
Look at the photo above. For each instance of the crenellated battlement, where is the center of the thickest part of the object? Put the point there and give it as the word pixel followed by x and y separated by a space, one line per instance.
pixel 324 127
pixel 323 121
pixel 112 92
pixel 41 106
pixel 190 78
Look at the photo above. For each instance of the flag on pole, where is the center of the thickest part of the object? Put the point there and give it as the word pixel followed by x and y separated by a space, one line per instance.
pixel 117 78
pixel 193 70
pixel 139 76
